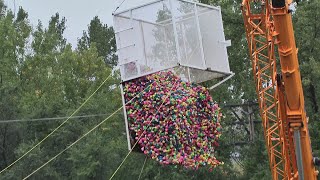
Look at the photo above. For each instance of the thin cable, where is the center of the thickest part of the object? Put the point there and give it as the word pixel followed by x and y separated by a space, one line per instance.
pixel 56 127
pixel 14 7
pixel 54 157
pixel 140 135
pixel 145 160
pixel 68 147
pixel 51 119
pixel 118 7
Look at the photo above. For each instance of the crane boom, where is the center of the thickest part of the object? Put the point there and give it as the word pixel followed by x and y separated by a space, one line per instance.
pixel 268 25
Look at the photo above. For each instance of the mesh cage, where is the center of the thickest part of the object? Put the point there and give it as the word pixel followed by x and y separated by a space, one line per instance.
pixel 168 33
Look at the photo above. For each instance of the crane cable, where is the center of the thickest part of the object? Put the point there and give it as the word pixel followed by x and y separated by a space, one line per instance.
pixel 115 172
pixel 118 7
pixel 64 122
pixel 95 127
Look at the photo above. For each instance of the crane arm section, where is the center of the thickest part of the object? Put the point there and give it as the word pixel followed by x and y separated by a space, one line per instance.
pixel 268 25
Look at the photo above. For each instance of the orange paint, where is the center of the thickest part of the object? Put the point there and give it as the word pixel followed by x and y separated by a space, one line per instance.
pixel 280 99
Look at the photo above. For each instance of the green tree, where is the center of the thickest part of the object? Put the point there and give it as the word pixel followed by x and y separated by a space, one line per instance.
pixel 14 33
pixel 103 38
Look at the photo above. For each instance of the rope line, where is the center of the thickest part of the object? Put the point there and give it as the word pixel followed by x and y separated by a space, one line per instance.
pixel 145 160
pixel 51 118
pixel 68 147
pixel 72 144
pixel 46 137
pixel 140 135
pixel 118 7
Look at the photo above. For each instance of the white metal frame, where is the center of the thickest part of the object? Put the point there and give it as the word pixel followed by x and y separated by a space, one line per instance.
pixel 148 73
pixel 174 23
pixel 156 1
pixel 224 80
pixel 125 116
pixel 199 35
pixel 173 20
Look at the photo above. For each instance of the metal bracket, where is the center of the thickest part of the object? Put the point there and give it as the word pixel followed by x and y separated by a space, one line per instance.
pixel 122 30
pixel 226 42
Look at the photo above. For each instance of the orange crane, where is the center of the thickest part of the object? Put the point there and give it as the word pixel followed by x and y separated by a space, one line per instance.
pixel 268 26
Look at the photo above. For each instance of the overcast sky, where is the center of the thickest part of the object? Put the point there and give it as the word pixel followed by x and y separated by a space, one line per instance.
pixel 77 12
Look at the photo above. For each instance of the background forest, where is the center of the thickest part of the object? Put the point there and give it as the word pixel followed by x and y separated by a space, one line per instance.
pixel 43 77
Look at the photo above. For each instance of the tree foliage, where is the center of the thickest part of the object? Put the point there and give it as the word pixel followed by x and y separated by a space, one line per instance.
pixel 101 36
pixel 42 76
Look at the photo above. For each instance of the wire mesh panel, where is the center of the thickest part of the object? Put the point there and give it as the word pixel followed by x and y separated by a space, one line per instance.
pixel 214 45
pixel 169 33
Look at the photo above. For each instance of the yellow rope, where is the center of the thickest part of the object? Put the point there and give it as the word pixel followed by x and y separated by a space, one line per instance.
pixel 54 157
pixel 56 127
pixel 68 147
pixel 145 160
pixel 140 135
